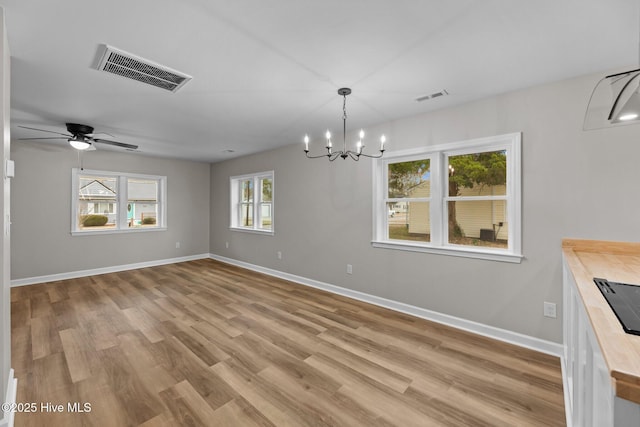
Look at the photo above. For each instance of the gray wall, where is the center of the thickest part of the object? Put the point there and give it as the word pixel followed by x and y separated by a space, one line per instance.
pixel 41 204
pixel 575 184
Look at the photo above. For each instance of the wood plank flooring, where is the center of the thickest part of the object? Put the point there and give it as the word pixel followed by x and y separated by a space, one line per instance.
pixel 206 344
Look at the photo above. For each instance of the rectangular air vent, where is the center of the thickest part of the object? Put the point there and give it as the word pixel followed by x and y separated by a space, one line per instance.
pixel 443 92
pixel 116 61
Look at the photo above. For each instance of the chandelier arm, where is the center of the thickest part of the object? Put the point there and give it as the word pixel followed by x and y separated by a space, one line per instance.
pixel 334 156
pixel 354 156
pixel 316 157
pixel 373 157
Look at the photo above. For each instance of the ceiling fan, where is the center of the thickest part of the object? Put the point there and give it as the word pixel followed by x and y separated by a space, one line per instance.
pixel 81 137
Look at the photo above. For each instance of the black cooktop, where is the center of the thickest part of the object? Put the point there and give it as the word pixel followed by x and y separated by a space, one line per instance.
pixel 624 300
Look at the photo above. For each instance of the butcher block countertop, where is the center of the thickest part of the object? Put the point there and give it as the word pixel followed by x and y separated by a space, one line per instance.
pixel 617 262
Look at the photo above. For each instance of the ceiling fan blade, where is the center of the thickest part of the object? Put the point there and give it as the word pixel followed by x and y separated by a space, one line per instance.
pixel 52 137
pixel 44 130
pixel 100 133
pixel 116 143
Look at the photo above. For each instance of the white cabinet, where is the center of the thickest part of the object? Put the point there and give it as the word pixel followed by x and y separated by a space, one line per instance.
pixel 590 392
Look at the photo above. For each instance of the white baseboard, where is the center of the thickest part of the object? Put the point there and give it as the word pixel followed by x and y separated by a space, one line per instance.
pixel 504 335
pixel 12 388
pixel 103 270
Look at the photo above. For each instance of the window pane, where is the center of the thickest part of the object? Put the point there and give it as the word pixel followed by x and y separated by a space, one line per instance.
pixel 246 215
pixel 409 221
pixel 267 189
pixel 97 202
pixel 478 223
pixel 142 203
pixel 246 190
pixel 409 179
pixel 478 174
pixel 265 216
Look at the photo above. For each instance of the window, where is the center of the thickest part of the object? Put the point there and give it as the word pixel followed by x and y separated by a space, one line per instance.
pixel 142 202
pixel 252 202
pixel 112 202
pixel 407 200
pixel 459 199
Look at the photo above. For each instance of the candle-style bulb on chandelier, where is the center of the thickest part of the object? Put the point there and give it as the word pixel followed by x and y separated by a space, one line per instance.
pixel 344 153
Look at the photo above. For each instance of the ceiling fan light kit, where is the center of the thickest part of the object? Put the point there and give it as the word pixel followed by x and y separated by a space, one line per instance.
pixel 344 153
pixel 79 144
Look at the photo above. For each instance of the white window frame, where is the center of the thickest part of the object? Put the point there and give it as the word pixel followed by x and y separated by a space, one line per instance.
pixel 235 197
pixel 438 156
pixel 121 200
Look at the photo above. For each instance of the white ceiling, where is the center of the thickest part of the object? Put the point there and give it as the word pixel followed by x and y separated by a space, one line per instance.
pixel 266 72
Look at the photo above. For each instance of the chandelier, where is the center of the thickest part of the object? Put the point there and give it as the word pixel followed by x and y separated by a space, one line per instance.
pixel 344 153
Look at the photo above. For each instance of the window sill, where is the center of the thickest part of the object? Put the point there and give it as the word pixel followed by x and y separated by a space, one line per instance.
pixel 252 231
pixel 133 230
pixel 488 254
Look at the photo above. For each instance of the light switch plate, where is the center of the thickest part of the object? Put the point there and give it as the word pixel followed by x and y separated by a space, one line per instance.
pixel 550 310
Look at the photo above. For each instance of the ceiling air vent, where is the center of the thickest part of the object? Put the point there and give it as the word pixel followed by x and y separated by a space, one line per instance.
pixel 443 92
pixel 125 64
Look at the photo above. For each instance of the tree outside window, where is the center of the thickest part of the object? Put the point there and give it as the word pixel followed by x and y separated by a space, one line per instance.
pixel 477 175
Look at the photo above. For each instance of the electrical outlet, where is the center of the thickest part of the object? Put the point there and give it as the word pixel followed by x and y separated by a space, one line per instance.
pixel 226 245
pixel 177 245
pixel 349 269
pixel 279 255
pixel 550 309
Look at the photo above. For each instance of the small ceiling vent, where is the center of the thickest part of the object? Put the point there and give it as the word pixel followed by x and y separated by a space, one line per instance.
pixel 116 61
pixel 443 92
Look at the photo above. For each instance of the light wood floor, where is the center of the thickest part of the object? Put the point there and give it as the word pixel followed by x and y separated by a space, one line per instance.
pixel 205 344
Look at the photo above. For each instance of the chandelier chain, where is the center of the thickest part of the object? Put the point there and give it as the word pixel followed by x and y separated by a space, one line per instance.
pixel 344 107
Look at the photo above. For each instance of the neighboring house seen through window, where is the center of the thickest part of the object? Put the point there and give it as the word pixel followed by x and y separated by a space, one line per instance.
pixel 252 202
pixel 458 199
pixel 112 202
